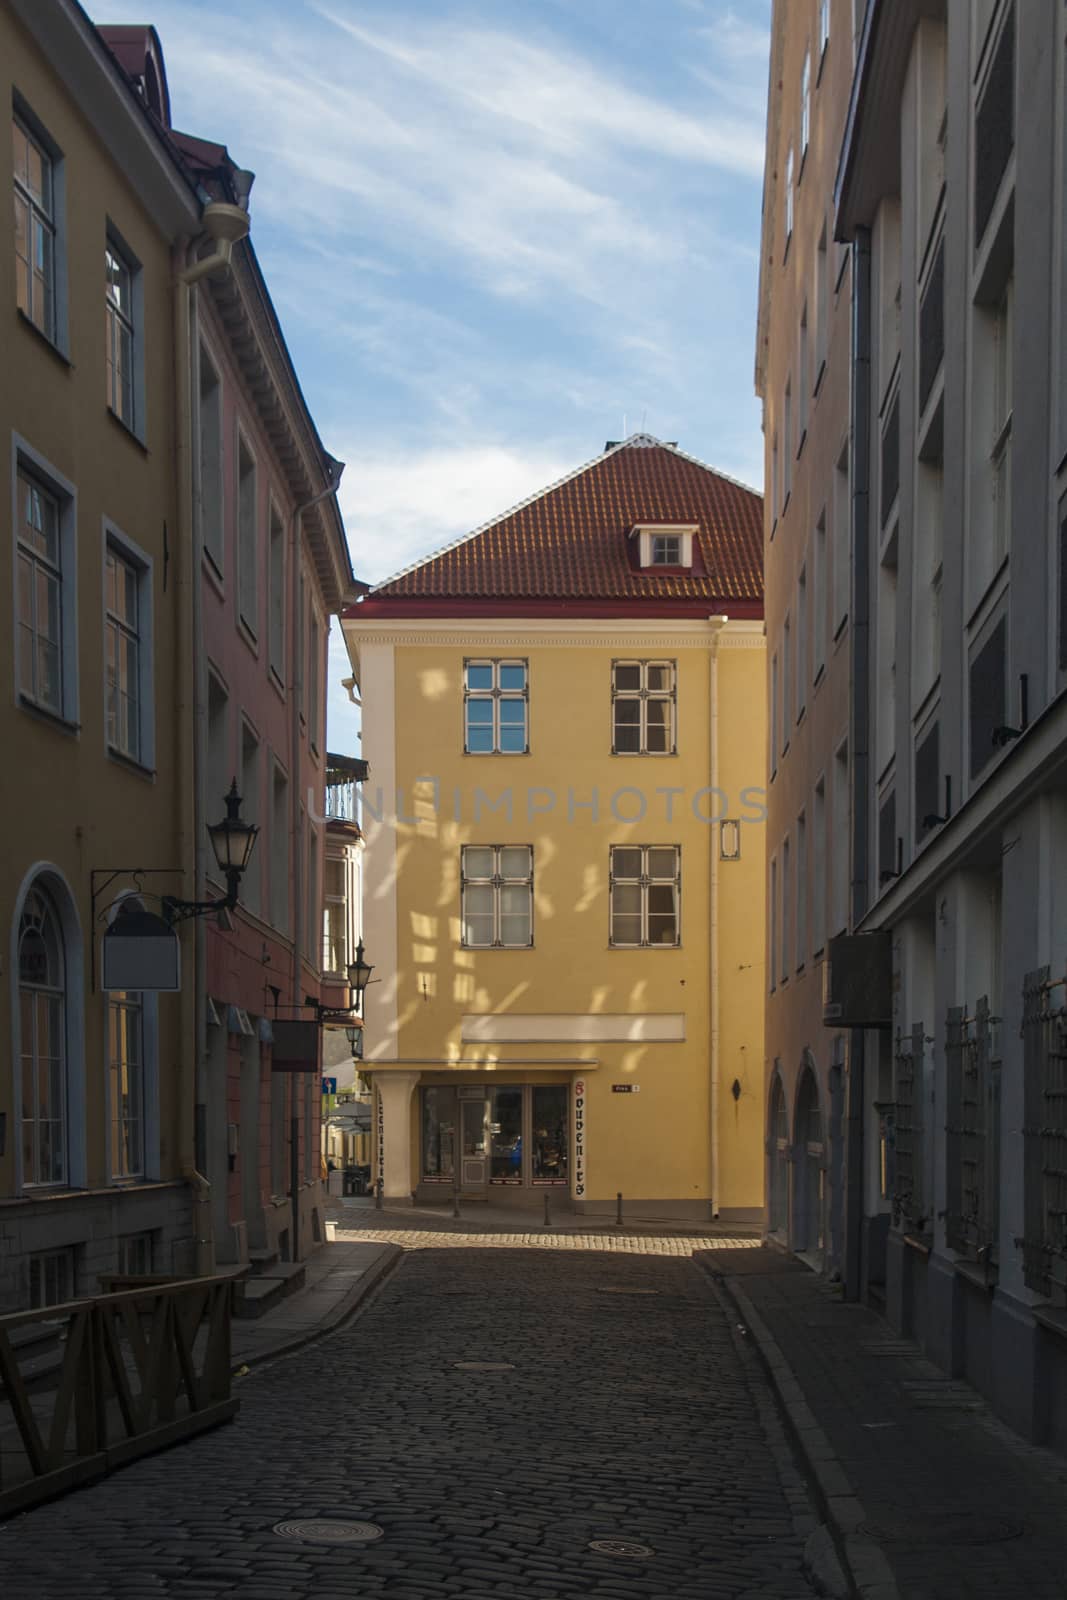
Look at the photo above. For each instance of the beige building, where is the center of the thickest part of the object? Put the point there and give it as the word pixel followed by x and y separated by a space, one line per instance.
pixel 802 378
pixel 95 1095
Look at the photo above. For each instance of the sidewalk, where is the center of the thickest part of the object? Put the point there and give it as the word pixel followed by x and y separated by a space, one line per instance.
pixel 928 1495
pixel 352 1213
pixel 337 1277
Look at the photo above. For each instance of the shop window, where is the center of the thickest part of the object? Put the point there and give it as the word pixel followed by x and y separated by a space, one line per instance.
pixel 438 1135
pixel 505 1134
pixel 548 1133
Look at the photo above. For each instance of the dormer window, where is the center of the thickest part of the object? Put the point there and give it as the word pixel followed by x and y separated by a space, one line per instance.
pixel 667 550
pixel 664 547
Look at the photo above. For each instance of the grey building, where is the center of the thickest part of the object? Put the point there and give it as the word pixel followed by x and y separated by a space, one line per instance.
pixel 951 193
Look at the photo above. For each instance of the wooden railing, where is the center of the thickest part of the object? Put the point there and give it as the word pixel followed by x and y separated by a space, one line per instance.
pixel 87 1386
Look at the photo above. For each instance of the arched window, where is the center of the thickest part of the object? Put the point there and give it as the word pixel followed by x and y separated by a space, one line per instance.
pixel 43 1034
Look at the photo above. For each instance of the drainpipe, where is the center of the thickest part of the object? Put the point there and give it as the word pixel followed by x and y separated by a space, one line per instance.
pixel 225 224
pixel 296 695
pixel 859 730
pixel 718 623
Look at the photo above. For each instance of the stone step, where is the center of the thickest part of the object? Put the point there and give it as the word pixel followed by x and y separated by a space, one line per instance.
pixel 264 1290
pixel 262 1260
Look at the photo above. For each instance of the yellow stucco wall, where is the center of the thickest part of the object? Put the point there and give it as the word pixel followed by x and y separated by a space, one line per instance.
pixel 64 801
pixel 655 1144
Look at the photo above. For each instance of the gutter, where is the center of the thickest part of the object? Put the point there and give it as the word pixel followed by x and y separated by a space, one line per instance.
pixel 717 624
pixel 859 729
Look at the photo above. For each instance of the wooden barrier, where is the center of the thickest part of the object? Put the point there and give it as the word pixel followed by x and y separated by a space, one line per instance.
pixel 89 1385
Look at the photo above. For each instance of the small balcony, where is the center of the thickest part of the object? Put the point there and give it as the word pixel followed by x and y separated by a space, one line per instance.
pixel 343 773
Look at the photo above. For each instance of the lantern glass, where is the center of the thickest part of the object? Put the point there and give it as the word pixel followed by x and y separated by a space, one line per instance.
pixel 232 839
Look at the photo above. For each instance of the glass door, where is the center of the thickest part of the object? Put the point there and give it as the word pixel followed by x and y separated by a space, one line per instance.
pixel 475 1170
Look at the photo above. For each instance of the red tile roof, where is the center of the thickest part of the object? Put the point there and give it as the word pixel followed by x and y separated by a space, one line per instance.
pixel 570 542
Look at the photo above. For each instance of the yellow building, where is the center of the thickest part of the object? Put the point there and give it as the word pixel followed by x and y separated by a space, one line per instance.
pixel 563 716
pixel 96 1122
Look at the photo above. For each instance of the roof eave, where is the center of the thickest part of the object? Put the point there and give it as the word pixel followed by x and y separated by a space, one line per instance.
pixel 103 93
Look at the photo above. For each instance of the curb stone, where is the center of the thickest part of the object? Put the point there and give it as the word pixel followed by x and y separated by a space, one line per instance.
pixel 373 1276
pixel 869 1575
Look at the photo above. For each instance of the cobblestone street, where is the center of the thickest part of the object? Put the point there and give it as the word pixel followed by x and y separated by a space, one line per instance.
pixel 633 1411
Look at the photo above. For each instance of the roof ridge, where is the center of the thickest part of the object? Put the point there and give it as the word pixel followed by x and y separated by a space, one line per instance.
pixel 632 441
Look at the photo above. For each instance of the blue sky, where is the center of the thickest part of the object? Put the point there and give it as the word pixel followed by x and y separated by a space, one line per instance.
pixel 497 234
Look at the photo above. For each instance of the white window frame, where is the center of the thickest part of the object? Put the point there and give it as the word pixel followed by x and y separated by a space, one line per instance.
pixel 210 465
pixel 252 811
pixel 496 881
pixel 55 329
pixel 642 696
pixel 116 245
pixel 114 540
pixel 652 550
pixel 246 528
pixel 341 858
pixel 279 890
pixel 788 200
pixel 824 30
pixel 276 568
pixel 495 693
pixel 119 1005
pixel 315 634
pixel 645 881
pixel 32 463
pixel 805 110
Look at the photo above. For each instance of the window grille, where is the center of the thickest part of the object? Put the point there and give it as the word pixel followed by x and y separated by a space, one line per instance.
pixel 1044 1030
pixel 908 1198
pixel 973 1132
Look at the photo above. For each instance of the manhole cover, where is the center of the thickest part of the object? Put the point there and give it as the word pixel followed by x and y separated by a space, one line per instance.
pixel 627 1291
pixel 326 1530
pixel 950 1527
pixel 626 1548
pixel 485 1366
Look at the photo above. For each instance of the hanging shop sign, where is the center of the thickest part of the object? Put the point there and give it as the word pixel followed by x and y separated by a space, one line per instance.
pixel 579 1138
pixel 140 951
pixel 296 1046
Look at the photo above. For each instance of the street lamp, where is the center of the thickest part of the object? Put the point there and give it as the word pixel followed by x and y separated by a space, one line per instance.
pixel 233 840
pixel 359 972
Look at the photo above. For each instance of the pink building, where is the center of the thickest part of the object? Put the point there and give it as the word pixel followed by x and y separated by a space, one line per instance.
pixel 274 567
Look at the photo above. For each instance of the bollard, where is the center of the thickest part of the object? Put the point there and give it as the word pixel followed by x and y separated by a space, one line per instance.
pixel 455 1194
pixel 618 1210
pixel 548 1222
pixel 379 1190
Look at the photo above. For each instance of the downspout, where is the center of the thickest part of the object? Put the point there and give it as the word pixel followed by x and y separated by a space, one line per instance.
pixel 225 224
pixel 718 623
pixel 335 469
pixel 859 730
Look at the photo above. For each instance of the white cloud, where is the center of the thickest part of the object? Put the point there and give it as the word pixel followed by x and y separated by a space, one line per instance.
pixel 400 506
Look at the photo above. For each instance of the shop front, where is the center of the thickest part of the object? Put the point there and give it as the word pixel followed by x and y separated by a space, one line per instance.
pixel 502 1142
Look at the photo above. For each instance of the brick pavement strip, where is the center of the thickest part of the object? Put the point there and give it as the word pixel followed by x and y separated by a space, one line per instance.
pixel 931 1496
pixel 644 1418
